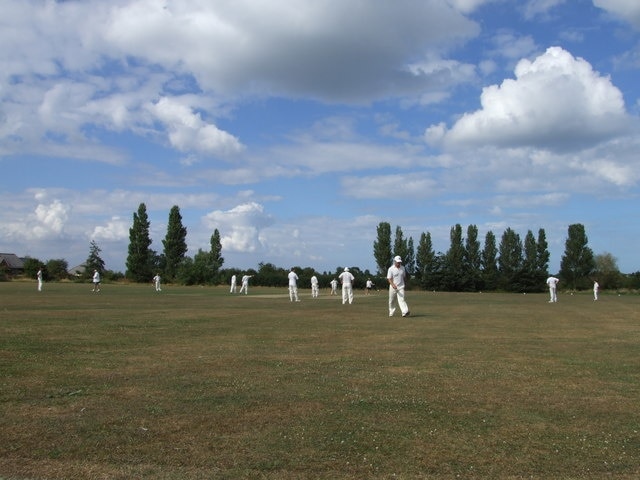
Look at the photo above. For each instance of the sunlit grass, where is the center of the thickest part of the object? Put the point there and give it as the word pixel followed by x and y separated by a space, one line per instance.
pixel 196 383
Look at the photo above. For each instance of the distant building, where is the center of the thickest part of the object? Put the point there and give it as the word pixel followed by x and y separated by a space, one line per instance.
pixel 11 264
pixel 77 271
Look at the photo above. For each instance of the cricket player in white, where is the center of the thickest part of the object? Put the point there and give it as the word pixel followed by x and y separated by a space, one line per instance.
pixel 293 286
pixel 156 281
pixel 334 287
pixel 553 289
pixel 396 276
pixel 234 285
pixel 347 278
pixel 315 290
pixel 245 284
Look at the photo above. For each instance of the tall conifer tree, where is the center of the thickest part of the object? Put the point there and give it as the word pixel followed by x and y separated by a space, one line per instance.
pixel 490 262
pixel 216 251
pixel 578 261
pixel 473 258
pixel 542 266
pixel 94 261
pixel 455 269
pixel 510 260
pixel 140 258
pixel 382 248
pixel 425 261
pixel 401 247
pixel 175 243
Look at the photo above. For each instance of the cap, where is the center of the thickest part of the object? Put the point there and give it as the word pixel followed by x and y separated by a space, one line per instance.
pixel 346 269
pixel 397 259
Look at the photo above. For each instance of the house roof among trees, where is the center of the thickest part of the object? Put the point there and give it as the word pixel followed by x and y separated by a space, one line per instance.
pixel 77 270
pixel 12 261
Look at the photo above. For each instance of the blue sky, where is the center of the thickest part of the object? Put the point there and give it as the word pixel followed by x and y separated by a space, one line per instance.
pixel 296 127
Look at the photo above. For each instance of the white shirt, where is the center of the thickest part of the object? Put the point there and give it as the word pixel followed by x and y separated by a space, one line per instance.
pixel 396 275
pixel 293 279
pixel 346 278
pixel 552 281
pixel 314 280
pixel 96 277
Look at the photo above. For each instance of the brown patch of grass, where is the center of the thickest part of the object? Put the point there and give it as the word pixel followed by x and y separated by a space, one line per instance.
pixel 196 383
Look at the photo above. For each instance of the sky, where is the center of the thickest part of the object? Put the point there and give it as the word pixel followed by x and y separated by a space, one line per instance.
pixel 296 127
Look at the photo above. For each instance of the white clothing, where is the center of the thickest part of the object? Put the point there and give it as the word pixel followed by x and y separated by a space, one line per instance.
pixel 314 287
pixel 39 280
pixel 553 284
pixel 96 281
pixel 156 281
pixel 245 284
pixel 396 277
pixel 347 278
pixel 368 286
pixel 234 287
pixel 334 287
pixel 596 287
pixel 293 286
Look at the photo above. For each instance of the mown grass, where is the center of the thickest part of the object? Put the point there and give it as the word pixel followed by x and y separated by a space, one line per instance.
pixel 194 383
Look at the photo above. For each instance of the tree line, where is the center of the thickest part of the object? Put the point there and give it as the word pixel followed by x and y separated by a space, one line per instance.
pixel 513 265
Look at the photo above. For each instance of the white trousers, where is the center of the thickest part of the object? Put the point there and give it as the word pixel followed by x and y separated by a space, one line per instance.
pixel 293 293
pixel 397 295
pixel 553 297
pixel 347 294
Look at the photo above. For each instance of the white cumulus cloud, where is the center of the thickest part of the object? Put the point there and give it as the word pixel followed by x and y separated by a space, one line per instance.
pixel 189 132
pixel 51 218
pixel 240 227
pixel 555 102
pixel 115 229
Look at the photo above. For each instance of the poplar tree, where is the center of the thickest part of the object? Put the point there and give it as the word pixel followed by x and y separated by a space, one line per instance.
pixel 382 248
pixel 510 260
pixel 528 277
pixel 578 261
pixel 410 258
pixel 175 244
pixel 425 261
pixel 216 251
pixel 140 257
pixel 455 271
pixel 542 266
pixel 401 248
pixel 490 262
pixel 473 258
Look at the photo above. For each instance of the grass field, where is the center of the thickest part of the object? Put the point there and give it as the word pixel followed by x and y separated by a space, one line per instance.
pixel 195 383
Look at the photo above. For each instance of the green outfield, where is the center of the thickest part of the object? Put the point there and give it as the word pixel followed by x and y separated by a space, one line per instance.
pixel 195 383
